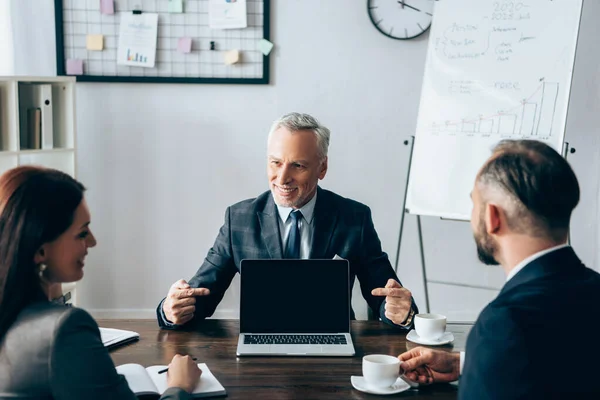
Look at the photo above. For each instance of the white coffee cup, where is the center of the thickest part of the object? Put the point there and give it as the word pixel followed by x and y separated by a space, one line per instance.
pixel 430 326
pixel 380 370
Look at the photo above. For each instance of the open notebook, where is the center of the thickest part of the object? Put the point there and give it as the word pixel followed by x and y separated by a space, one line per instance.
pixel 147 381
pixel 116 337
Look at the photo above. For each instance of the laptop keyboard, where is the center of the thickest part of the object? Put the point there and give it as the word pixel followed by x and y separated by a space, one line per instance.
pixel 294 339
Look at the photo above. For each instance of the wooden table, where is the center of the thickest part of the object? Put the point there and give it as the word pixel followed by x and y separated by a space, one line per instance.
pixel 264 378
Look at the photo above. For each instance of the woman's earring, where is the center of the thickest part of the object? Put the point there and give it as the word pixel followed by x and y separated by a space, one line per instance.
pixel 42 268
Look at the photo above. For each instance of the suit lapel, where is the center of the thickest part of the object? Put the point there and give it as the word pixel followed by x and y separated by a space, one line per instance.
pixel 269 229
pixel 325 220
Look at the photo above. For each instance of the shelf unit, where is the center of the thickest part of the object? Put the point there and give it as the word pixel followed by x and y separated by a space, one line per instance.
pixel 18 94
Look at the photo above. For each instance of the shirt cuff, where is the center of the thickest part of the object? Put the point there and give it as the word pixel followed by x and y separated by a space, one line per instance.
pixel 165 321
pixel 462 362
pixel 406 324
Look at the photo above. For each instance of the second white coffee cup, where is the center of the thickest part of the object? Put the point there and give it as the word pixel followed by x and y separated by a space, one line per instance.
pixel 430 326
pixel 380 370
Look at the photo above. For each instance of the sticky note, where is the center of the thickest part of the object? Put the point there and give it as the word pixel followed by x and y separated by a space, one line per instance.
pixel 95 42
pixel 184 45
pixel 265 46
pixel 74 66
pixel 175 6
pixel 107 7
pixel 232 56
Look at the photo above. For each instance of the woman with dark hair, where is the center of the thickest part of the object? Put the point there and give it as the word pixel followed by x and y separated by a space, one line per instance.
pixel 49 351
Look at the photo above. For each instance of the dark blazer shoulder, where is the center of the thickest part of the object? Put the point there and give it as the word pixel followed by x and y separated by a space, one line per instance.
pixel 336 201
pixel 50 316
pixel 32 341
pixel 48 321
pixel 253 204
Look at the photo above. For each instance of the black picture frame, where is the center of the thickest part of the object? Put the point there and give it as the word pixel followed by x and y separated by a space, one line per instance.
pixel 61 65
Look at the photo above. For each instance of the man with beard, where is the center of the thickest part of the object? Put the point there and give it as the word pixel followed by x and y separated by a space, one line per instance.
pixel 522 202
pixel 294 219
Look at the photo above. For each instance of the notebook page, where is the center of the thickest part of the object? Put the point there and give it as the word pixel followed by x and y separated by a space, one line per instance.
pixel 138 379
pixel 207 385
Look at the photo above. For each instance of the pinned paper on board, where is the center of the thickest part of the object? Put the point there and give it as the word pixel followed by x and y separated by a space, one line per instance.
pixel 227 14
pixel 137 39
pixel 94 42
pixel 184 45
pixel 74 66
pixel 232 57
pixel 265 46
pixel 175 6
pixel 107 7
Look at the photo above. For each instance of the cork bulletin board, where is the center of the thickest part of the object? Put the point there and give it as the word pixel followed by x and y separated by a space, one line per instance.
pixel 204 62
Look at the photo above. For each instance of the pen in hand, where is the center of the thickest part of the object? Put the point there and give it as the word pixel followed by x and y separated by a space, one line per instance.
pixel 162 371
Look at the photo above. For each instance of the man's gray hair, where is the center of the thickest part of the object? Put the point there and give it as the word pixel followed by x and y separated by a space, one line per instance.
pixel 535 184
pixel 301 122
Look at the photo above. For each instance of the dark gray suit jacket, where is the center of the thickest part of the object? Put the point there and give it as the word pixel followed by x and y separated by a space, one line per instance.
pixel 55 352
pixel 538 338
pixel 251 231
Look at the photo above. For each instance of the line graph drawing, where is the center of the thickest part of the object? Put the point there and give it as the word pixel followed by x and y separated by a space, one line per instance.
pixel 533 117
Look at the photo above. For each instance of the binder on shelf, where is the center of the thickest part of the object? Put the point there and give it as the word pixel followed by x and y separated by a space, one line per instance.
pixel 34 129
pixel 43 98
pixel 36 96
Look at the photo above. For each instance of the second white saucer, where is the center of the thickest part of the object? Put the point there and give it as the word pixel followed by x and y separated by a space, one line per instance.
pixel 359 383
pixel 446 338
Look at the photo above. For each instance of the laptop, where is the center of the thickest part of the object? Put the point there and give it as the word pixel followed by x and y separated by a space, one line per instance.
pixel 295 308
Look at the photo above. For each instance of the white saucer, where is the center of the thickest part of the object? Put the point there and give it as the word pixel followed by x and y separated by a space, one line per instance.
pixel 359 383
pixel 446 338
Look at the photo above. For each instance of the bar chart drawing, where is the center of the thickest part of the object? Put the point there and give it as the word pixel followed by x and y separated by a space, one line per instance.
pixel 138 57
pixel 533 117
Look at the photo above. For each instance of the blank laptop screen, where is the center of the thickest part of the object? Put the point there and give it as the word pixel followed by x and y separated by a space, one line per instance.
pixel 294 296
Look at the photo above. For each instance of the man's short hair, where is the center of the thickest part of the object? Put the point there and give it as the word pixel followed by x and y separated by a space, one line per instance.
pixel 300 122
pixel 542 186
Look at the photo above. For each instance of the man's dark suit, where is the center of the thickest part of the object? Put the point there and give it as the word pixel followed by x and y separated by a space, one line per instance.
pixel 251 231
pixel 515 350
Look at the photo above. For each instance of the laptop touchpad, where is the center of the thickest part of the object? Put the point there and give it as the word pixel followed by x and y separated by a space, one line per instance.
pixel 296 348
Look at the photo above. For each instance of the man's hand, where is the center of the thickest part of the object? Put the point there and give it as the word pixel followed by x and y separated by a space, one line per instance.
pixel 427 366
pixel 179 306
pixel 398 301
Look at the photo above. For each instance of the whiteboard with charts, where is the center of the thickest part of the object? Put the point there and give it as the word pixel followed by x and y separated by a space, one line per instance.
pixel 495 69
pixel 197 41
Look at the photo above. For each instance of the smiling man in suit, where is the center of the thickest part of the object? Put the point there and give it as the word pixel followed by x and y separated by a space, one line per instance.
pixel 522 203
pixel 294 219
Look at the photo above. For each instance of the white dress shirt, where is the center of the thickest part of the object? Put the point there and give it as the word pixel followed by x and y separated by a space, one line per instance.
pixel 515 271
pixel 306 225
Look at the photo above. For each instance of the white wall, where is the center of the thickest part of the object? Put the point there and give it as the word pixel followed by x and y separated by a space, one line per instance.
pixel 7 66
pixel 163 161
pixel 33 34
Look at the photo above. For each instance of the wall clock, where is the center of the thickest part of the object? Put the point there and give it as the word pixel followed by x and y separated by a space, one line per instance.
pixel 401 19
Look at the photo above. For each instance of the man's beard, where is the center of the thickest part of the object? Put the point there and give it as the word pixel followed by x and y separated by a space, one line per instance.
pixel 486 247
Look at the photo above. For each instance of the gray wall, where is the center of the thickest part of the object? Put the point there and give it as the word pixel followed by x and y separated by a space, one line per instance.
pixel 163 161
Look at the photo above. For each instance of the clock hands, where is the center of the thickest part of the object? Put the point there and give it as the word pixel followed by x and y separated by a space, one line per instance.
pixel 408 5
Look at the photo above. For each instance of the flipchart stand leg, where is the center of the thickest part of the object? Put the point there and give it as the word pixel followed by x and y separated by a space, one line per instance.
pixel 565 153
pixel 411 143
